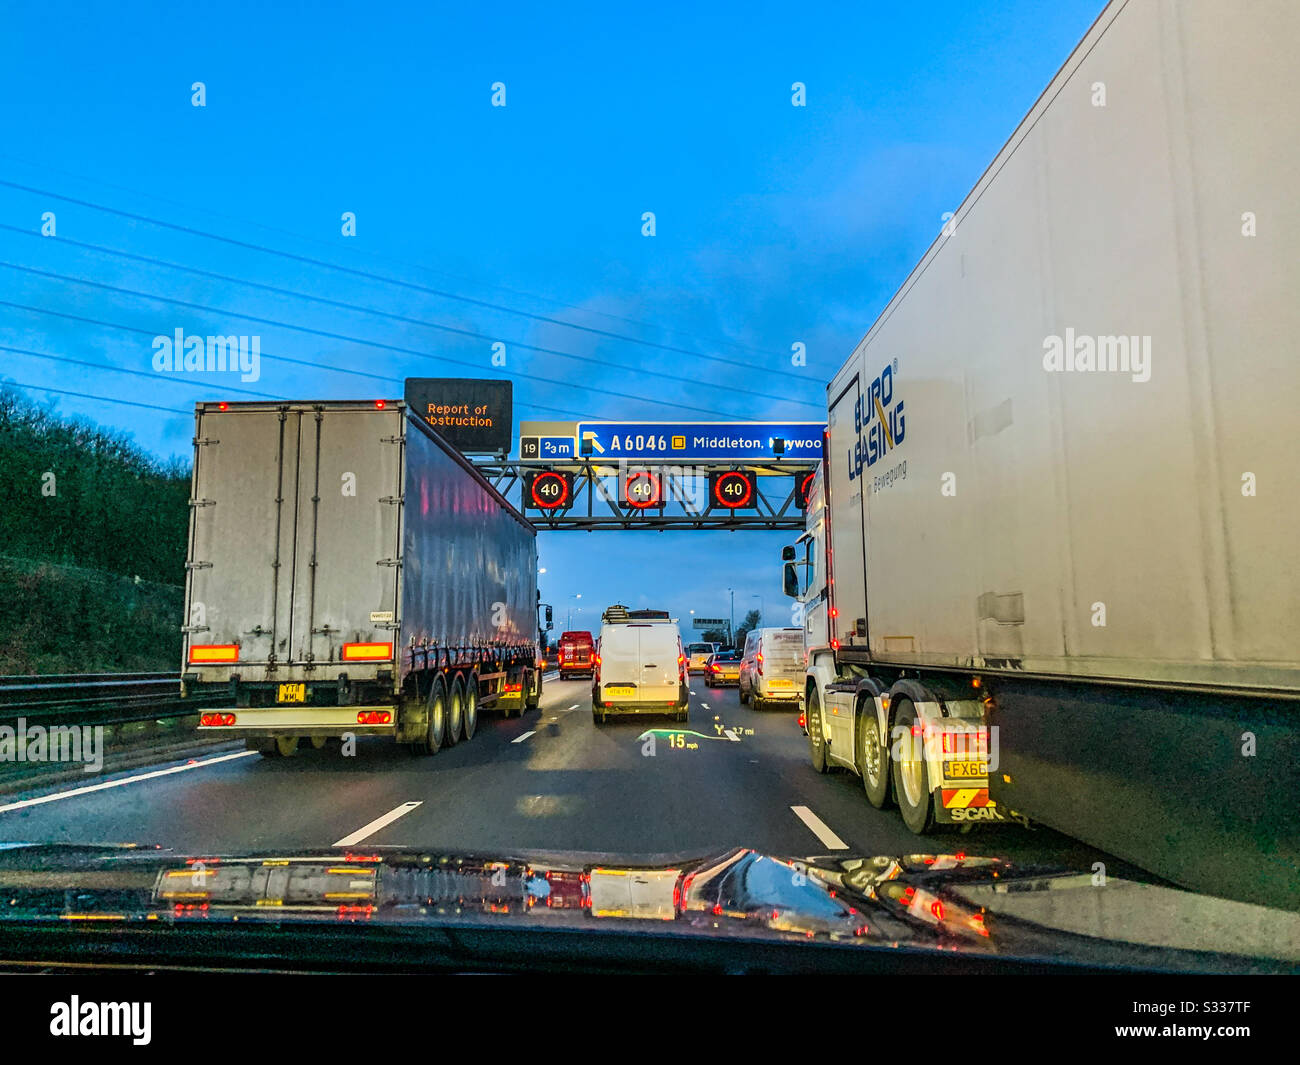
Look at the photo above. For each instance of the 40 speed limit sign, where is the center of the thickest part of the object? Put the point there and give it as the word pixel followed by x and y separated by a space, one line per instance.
pixel 733 489
pixel 548 490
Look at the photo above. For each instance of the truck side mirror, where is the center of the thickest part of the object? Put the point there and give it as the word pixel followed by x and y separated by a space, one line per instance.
pixel 789 580
pixel 787 554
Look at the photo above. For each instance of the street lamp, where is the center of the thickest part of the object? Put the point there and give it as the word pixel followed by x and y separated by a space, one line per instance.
pixel 570 624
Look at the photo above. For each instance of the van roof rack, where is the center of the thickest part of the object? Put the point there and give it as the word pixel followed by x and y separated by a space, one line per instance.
pixel 618 613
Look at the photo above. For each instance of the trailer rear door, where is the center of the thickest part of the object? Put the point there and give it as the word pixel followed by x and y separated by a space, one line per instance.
pixel 345 561
pixel 294 539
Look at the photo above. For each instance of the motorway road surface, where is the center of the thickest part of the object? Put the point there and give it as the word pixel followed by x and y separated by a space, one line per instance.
pixel 552 780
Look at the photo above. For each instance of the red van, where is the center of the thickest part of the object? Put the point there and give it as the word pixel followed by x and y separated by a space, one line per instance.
pixel 577 655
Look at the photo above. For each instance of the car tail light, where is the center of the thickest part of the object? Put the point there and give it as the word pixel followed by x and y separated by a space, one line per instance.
pixel 803 719
pixel 216 720
pixel 208 653
pixel 367 652
pixel 375 717
pixel 760 663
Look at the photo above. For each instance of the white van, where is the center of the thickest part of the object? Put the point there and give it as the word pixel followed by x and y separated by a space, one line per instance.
pixel 640 667
pixel 772 670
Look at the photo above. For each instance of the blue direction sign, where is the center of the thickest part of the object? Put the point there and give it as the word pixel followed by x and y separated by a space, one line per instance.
pixel 702 441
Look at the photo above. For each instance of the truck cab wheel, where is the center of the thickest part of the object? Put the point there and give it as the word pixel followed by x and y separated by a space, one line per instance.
pixel 911 779
pixel 816 737
pixel 872 758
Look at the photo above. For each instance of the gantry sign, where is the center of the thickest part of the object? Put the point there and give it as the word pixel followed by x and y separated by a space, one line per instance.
pixel 661 475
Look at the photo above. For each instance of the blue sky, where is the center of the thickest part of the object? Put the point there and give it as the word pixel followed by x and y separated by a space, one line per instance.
pixel 774 224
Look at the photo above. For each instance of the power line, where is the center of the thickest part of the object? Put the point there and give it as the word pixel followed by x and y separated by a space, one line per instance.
pixel 98 399
pixel 264 355
pixel 428 290
pixel 289 359
pixel 155 377
pixel 388 259
pixel 358 308
pixel 353 340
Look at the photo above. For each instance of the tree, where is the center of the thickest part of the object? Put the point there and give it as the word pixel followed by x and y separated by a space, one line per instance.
pixel 714 636
pixel 748 625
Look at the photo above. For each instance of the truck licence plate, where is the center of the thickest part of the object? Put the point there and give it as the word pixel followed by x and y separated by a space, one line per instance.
pixel 613 692
pixel 965 769
pixel 291 693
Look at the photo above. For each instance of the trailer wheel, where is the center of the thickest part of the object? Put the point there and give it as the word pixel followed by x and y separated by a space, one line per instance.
pixel 436 728
pixel 873 758
pixel 911 779
pixel 816 744
pixel 469 705
pixel 455 714
pixel 534 698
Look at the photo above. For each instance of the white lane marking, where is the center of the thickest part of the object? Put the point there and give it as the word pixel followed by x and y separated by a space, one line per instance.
pixel 705 705
pixel 573 707
pixel 125 780
pixel 819 828
pixel 550 719
pixel 731 736
pixel 520 739
pixel 378 823
pixel 692 691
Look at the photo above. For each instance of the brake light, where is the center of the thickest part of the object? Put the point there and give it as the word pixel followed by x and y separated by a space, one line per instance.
pixel 514 687
pixel 223 406
pixel 803 719
pixel 760 663
pixel 380 404
pixel 367 652
pixel 375 717
pixel 965 742
pixel 215 720
pixel 203 653
pixel 681 660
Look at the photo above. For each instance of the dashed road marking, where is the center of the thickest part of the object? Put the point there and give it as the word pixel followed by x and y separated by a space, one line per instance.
pixel 520 739
pixel 378 823
pixel 573 707
pixel 819 828
pixel 125 780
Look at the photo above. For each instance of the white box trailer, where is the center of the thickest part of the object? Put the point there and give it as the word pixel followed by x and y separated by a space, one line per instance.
pixel 1059 495
pixel 350 573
